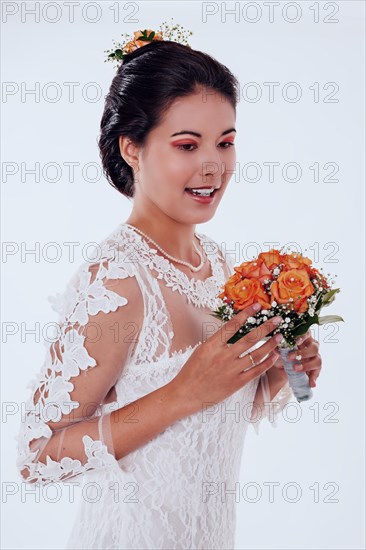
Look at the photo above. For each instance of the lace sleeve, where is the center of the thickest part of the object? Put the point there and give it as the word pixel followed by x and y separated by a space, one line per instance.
pixel 63 432
pixel 264 407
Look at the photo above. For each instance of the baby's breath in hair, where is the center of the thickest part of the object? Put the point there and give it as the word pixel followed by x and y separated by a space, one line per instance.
pixel 173 32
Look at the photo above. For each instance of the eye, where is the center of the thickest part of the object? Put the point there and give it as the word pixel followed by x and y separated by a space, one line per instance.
pixel 183 146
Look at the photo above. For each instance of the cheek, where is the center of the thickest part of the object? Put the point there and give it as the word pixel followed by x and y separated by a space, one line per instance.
pixel 167 164
pixel 230 160
pixel 225 166
pixel 177 164
pixel 177 169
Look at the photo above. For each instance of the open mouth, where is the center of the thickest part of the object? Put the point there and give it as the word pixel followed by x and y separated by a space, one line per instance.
pixel 202 192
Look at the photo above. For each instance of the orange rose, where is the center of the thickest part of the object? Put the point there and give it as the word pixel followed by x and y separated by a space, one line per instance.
pixel 230 283
pixel 316 274
pixel 130 47
pixel 244 292
pixel 295 261
pixel 255 269
pixel 139 43
pixel 296 284
pixel 261 267
pixel 272 258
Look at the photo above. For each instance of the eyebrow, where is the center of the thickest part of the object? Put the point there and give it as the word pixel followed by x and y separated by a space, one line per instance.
pixel 199 135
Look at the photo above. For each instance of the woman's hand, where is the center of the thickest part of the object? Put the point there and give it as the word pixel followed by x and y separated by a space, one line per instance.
pixel 310 360
pixel 214 370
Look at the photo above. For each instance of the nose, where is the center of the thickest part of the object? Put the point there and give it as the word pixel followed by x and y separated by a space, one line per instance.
pixel 212 169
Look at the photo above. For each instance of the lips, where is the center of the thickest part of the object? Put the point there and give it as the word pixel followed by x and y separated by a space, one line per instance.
pixel 207 191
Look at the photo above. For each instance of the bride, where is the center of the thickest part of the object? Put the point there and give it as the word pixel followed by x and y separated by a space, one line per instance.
pixel 137 391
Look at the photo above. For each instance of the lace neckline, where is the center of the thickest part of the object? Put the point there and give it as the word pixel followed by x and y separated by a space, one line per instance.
pixel 156 254
pixel 199 292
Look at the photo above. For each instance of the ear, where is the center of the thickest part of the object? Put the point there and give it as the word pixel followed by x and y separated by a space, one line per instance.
pixel 129 151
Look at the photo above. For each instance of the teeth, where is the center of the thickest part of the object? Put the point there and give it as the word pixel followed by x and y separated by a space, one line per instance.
pixel 203 192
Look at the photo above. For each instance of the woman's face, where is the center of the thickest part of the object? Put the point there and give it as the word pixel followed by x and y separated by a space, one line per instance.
pixel 173 159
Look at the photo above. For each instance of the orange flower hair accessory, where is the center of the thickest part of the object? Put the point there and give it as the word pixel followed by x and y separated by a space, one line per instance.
pixel 140 38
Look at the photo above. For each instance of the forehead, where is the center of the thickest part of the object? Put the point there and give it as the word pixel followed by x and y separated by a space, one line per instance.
pixel 201 111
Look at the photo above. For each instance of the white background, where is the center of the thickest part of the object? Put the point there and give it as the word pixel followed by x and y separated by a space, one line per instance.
pixel 324 459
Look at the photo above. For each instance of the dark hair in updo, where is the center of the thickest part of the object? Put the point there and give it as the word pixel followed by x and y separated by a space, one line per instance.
pixel 146 84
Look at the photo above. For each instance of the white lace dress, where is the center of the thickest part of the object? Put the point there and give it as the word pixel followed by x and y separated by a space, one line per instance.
pixel 128 322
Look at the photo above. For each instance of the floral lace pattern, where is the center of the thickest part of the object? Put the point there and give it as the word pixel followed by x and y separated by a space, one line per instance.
pixel 200 293
pixel 156 331
pixel 81 299
pixel 177 475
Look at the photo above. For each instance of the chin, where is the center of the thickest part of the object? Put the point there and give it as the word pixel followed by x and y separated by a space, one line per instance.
pixel 202 218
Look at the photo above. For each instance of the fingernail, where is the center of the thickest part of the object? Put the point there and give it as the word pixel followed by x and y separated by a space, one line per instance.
pixel 298 340
pixel 278 337
pixel 256 306
pixel 298 367
pixel 277 320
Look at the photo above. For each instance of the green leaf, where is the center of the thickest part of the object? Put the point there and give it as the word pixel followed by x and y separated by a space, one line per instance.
pixel 319 304
pixel 329 297
pixel 145 37
pixel 237 336
pixel 330 319
pixel 218 315
pixel 304 327
pixel 119 54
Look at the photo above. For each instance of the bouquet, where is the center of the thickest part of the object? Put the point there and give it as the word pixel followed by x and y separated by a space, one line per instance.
pixel 286 285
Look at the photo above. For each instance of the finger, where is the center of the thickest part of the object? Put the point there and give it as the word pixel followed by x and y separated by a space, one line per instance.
pixel 260 353
pixel 308 342
pixel 279 363
pixel 257 334
pixel 304 352
pixel 313 375
pixel 305 338
pixel 250 373
pixel 232 326
pixel 309 364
